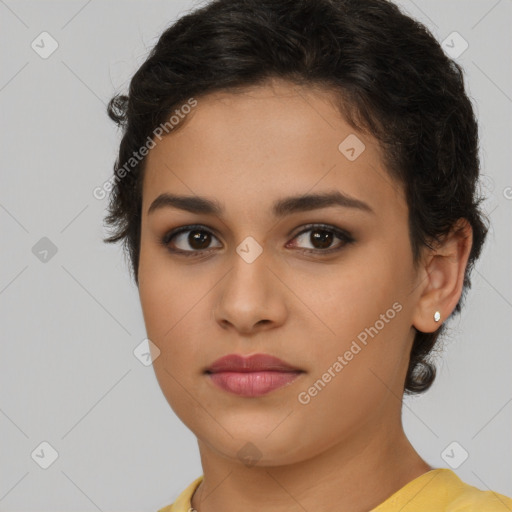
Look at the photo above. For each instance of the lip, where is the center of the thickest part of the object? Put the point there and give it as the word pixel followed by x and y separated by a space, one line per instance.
pixel 252 363
pixel 251 376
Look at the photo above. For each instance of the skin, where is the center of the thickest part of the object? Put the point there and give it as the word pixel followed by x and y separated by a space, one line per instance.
pixel 345 449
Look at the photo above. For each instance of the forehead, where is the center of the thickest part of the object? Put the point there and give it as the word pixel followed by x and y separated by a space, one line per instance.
pixel 247 148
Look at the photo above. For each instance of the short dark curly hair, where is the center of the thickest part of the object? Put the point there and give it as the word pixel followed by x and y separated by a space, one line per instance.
pixel 392 80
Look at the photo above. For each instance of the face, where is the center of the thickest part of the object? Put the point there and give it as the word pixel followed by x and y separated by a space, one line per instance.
pixel 326 286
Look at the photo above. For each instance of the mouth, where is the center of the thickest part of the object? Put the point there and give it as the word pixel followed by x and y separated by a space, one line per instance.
pixel 251 376
pixel 252 384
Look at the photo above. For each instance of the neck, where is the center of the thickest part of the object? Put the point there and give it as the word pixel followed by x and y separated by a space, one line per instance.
pixel 355 474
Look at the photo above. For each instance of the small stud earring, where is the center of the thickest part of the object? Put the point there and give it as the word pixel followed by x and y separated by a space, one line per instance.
pixel 437 316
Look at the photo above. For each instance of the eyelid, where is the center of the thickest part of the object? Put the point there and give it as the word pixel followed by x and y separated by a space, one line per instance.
pixel 340 233
pixel 165 240
pixel 319 225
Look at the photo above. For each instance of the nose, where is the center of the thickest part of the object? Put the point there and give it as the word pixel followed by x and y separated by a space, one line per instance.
pixel 250 298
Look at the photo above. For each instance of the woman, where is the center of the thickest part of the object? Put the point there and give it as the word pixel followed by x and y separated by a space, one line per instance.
pixel 296 189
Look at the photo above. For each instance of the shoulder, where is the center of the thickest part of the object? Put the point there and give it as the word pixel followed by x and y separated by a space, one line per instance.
pixel 472 499
pixel 442 490
pixel 183 501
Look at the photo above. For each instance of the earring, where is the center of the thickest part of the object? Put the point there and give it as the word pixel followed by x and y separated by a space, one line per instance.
pixel 437 316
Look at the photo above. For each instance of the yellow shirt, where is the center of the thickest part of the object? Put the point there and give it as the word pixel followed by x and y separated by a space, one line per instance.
pixel 435 491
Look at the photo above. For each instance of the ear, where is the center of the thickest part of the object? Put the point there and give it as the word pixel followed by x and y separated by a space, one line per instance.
pixel 441 277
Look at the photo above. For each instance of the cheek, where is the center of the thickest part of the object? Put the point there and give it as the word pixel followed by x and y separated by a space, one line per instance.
pixel 176 310
pixel 360 316
pixel 353 372
pixel 172 312
pixel 164 302
pixel 165 291
pixel 344 298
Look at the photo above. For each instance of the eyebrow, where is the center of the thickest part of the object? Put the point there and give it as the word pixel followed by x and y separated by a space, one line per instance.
pixel 282 207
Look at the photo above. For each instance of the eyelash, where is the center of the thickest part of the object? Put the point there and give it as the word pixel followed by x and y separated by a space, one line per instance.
pixel 342 235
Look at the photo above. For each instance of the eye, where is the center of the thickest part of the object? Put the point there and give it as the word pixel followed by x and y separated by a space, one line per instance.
pixel 321 237
pixel 195 240
pixel 188 240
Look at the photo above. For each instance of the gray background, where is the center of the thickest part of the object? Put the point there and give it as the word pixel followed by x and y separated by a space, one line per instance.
pixel 70 324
